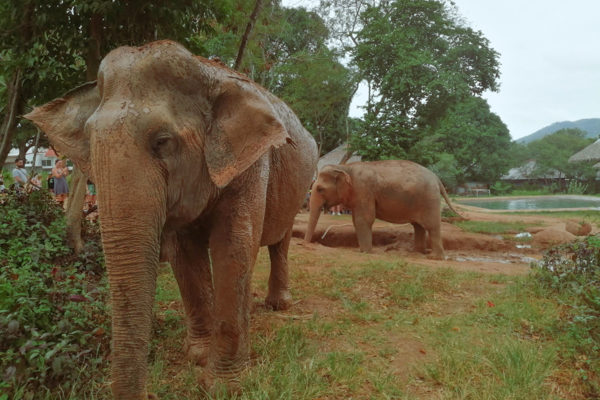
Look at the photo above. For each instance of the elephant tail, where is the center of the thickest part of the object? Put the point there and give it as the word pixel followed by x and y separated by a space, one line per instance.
pixel 445 195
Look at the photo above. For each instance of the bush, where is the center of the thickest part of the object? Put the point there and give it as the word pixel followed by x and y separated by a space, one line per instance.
pixel 576 187
pixel 501 188
pixel 52 311
pixel 572 272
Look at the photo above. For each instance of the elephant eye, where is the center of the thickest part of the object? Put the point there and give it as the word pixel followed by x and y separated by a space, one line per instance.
pixel 160 145
pixel 320 189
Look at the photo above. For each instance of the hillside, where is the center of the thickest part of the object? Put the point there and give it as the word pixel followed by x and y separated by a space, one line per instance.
pixel 589 125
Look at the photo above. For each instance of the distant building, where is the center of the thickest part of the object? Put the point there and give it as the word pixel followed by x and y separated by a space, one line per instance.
pixel 524 175
pixel 589 154
pixel 44 160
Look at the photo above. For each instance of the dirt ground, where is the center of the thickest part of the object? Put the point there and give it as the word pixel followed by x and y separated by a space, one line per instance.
pixel 464 250
pixel 337 245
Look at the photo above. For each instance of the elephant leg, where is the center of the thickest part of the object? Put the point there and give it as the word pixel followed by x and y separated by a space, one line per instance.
pixel 435 235
pixel 279 296
pixel 364 231
pixel 419 238
pixel 191 267
pixel 232 270
pixel 234 243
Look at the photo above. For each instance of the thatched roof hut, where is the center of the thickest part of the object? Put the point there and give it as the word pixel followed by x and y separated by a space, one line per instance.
pixel 337 156
pixel 590 153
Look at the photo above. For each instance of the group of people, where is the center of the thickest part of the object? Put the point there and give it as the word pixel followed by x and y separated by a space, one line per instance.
pixel 57 182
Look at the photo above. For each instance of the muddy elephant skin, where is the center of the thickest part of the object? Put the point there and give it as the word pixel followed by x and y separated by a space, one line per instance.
pixel 396 191
pixel 195 164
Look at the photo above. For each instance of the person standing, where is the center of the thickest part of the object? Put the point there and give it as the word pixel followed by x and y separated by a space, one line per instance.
pixel 61 188
pixel 19 174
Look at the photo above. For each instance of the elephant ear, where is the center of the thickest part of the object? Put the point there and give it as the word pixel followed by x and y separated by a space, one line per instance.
pixel 343 183
pixel 244 127
pixel 63 120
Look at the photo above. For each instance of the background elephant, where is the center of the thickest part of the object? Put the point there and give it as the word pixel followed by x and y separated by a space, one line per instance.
pixel 395 191
pixel 187 156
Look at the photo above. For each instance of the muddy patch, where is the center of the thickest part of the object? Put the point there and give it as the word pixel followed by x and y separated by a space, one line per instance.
pixel 339 232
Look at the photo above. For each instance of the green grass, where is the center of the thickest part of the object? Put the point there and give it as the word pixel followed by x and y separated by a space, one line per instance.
pixel 391 331
pixel 582 215
pixel 492 227
pixel 371 326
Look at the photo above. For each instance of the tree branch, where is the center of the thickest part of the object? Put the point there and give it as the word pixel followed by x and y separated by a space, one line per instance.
pixel 253 16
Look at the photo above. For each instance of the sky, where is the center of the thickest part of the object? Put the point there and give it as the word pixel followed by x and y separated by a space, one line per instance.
pixel 549 55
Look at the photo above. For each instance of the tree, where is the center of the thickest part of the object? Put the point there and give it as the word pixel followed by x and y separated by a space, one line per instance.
pixel 319 89
pixel 552 153
pixel 251 22
pixel 36 60
pixel 51 48
pixel 421 61
pixel 343 19
pixel 476 138
pixel 287 53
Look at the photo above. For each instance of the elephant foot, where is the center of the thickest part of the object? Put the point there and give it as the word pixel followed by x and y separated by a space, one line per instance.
pixel 436 256
pixel 219 386
pixel 196 350
pixel 280 301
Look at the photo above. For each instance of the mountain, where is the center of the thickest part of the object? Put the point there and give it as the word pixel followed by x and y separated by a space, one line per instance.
pixel 591 126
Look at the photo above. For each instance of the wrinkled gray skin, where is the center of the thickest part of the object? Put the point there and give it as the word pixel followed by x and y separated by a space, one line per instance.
pixel 395 191
pixel 187 156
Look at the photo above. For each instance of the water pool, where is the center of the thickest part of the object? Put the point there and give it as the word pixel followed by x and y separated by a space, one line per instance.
pixel 535 203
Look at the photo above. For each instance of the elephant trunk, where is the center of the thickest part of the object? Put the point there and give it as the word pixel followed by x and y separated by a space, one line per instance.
pixel 132 278
pixel 131 232
pixel 316 203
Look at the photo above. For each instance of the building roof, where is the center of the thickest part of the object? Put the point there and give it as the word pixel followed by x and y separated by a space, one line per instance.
pixel 590 153
pixel 50 153
pixel 336 156
pixel 525 171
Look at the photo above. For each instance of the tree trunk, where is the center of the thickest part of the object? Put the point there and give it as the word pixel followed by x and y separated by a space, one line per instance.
pixel 9 124
pixel 347 154
pixel 94 52
pixel 253 16
pixel 35 152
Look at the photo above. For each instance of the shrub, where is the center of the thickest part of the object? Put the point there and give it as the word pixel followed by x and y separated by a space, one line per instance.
pixel 576 187
pixel 572 272
pixel 501 188
pixel 52 311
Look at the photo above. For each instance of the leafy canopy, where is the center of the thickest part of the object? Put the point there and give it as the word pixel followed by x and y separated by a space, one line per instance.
pixel 475 138
pixel 552 153
pixel 288 54
pixel 423 66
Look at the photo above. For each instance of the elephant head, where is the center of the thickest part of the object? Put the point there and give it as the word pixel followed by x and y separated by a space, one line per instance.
pixel 161 132
pixel 332 187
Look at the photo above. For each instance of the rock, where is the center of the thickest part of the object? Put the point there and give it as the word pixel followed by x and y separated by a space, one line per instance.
pixel 578 228
pixel 552 236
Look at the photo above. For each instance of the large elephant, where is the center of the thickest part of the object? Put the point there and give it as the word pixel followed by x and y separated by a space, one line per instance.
pixel 396 191
pixel 187 155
